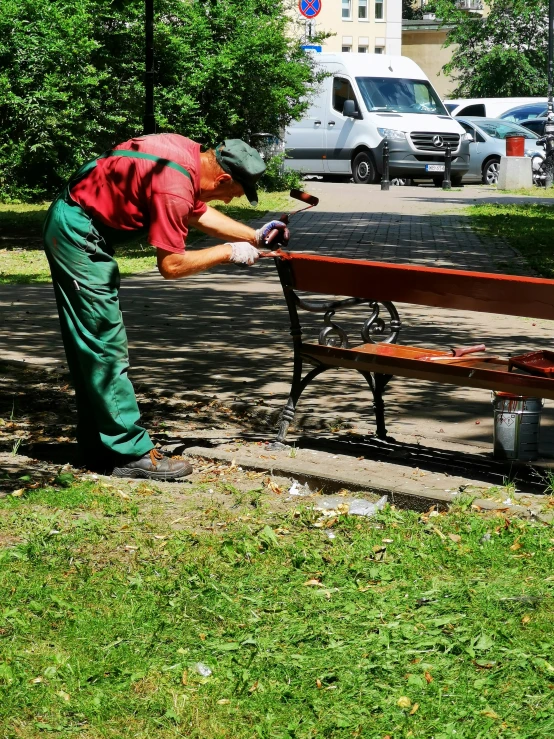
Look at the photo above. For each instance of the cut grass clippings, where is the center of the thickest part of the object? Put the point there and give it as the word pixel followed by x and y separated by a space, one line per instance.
pixel 404 625
pixel 529 227
pixel 22 260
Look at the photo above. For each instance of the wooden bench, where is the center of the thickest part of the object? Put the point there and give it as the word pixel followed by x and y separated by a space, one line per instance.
pixel 378 358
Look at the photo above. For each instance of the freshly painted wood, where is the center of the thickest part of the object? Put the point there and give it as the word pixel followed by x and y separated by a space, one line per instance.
pixel 489 373
pixel 511 295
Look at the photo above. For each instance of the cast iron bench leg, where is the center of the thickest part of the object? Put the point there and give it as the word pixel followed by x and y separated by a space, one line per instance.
pixel 377 384
pixel 298 387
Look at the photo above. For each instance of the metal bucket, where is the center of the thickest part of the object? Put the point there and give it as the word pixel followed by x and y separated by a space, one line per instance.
pixel 516 426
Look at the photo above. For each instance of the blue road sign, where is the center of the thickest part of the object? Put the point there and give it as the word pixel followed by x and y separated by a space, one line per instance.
pixel 309 8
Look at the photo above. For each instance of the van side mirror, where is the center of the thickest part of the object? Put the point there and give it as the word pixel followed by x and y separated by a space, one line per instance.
pixel 349 109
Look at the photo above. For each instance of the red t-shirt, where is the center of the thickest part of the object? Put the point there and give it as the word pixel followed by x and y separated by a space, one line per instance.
pixel 129 194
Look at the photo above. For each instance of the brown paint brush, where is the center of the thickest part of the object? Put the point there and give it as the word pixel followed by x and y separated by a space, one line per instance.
pixel 458 353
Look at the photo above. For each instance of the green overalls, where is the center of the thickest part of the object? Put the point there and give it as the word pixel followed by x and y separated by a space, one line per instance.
pixel 86 283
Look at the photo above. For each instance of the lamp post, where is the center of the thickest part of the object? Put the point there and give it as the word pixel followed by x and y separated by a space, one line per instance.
pixel 549 127
pixel 149 121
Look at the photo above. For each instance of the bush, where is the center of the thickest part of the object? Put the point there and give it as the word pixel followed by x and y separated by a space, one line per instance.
pixel 277 178
pixel 71 79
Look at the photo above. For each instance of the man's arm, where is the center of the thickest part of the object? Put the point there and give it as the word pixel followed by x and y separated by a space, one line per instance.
pixel 172 266
pixel 214 223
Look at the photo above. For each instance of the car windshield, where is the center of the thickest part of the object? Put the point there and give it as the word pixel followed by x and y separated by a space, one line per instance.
pixel 524 112
pixel 399 95
pixel 451 106
pixel 501 129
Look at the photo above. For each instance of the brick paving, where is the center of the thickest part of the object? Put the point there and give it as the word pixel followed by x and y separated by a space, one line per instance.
pixel 415 225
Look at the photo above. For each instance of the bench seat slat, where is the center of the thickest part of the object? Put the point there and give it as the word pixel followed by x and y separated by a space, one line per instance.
pixel 487 373
pixel 531 297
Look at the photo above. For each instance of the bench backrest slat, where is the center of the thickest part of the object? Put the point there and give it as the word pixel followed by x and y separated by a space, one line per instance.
pixel 511 295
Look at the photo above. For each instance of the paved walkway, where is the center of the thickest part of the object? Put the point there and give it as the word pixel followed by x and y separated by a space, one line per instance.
pixel 225 333
pixel 416 225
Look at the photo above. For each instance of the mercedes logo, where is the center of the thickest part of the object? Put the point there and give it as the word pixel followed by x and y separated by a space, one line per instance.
pixel 438 141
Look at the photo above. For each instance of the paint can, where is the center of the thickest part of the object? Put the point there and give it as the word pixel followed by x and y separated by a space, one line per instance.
pixel 517 421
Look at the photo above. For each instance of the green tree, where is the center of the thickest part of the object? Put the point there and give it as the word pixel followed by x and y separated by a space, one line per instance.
pixel 71 79
pixel 411 11
pixel 503 54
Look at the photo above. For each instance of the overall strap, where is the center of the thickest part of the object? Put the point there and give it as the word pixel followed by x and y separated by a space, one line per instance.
pixel 81 173
pixel 143 155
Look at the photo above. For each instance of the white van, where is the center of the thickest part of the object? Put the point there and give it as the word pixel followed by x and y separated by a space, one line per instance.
pixel 365 100
pixel 486 107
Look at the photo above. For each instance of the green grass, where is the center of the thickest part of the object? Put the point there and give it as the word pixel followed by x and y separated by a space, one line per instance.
pixel 22 260
pixel 529 227
pixel 403 625
pixel 532 192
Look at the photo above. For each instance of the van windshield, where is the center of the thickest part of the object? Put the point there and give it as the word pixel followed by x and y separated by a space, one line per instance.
pixel 399 95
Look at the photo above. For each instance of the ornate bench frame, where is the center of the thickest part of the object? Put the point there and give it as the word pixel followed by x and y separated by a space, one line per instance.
pixel 375 329
pixel 379 358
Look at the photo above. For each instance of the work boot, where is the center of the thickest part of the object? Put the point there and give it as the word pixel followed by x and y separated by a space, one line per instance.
pixel 155 466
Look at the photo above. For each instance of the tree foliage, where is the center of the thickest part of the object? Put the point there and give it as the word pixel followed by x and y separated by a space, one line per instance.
pixel 411 11
pixel 71 79
pixel 503 54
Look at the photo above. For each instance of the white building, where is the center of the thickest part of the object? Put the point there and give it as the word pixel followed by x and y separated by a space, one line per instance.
pixel 363 26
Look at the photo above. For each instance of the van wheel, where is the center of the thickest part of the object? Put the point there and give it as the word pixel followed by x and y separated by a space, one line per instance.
pixel 363 169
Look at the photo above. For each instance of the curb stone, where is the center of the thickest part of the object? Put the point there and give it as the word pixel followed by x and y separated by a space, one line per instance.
pixel 378 477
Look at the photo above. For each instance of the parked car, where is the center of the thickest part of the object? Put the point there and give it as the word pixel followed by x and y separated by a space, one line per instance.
pixel 486 107
pixel 489 145
pixel 524 112
pixel 535 124
pixel 365 100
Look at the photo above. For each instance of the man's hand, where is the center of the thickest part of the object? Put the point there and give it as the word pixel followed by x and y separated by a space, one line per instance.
pixel 243 253
pixel 281 239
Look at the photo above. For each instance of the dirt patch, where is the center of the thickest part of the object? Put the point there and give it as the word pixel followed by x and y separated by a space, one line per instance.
pixel 216 495
pixel 38 420
pixel 7 540
pixel 37 445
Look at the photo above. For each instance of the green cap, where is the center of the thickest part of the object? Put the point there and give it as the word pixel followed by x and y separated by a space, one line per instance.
pixel 243 163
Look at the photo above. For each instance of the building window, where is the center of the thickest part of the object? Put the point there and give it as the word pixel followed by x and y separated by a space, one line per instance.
pixel 362 9
pixel 379 50
pixel 347 48
pixel 362 49
pixel 347 9
pixel 379 10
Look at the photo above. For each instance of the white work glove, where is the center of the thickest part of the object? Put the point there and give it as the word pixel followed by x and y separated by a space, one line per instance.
pixel 243 253
pixel 281 239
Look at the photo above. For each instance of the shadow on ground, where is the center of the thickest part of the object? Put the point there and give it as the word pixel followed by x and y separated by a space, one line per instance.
pixel 223 338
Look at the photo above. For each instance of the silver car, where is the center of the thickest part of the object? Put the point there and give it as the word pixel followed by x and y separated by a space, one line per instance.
pixel 489 144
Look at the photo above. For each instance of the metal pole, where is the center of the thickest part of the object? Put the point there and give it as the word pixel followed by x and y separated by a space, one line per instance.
pixel 149 123
pixel 385 181
pixel 549 127
pixel 446 184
